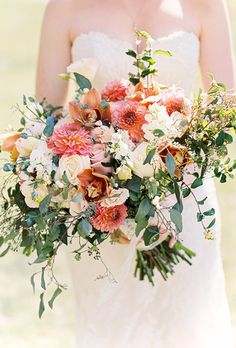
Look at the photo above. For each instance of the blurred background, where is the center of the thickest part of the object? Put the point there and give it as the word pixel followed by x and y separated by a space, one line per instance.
pixel 19 324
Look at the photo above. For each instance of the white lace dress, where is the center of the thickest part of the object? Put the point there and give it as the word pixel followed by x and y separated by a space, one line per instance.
pixel 189 310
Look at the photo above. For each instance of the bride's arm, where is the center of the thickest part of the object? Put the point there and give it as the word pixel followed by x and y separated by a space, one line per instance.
pixel 216 55
pixel 54 53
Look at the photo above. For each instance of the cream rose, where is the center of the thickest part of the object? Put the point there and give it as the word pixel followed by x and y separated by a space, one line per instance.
pixel 84 66
pixel 73 166
pixel 116 197
pixel 33 195
pixel 138 156
pixel 26 146
pixel 124 173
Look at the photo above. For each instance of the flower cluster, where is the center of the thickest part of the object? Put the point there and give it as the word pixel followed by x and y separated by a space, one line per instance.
pixel 112 160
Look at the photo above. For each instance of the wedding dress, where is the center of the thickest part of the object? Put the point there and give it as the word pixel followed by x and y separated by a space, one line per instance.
pixel 189 310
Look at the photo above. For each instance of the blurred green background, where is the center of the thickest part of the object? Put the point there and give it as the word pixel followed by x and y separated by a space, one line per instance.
pixel 19 325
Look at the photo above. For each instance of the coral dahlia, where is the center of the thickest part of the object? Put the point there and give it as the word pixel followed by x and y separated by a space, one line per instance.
pixel 115 90
pixel 174 100
pixel 129 115
pixel 108 219
pixel 70 139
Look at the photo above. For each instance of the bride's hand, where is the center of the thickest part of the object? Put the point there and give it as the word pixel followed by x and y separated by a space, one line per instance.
pixel 119 237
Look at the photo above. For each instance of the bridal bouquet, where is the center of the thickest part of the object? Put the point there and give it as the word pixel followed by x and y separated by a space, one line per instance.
pixel 116 164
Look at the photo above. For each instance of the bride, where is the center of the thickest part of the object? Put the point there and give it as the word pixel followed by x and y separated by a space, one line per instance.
pixel 190 309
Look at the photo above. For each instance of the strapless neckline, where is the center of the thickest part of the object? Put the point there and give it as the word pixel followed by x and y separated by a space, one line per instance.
pixel 171 36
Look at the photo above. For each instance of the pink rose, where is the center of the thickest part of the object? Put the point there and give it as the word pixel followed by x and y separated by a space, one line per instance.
pixel 98 157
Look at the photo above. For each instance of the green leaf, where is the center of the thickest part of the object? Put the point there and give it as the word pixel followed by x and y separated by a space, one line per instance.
pixel 147 72
pixel 209 212
pixel 144 209
pixel 197 182
pixel 141 224
pixel 150 235
pixel 186 192
pixel 50 123
pixel 158 133
pixel 57 292
pixel 131 53
pixel 163 52
pixel 134 184
pixel 149 59
pixel 43 284
pixel 202 201
pixel 134 80
pixel 150 156
pixel 82 81
pixel 32 281
pixel 41 306
pixel 1 241
pixel 43 206
pixel 65 179
pixel 176 218
pixel 171 165
pixel 84 228
pixel 8 167
pixel 212 223
pixel 5 251
pixel 223 179
pixel 200 217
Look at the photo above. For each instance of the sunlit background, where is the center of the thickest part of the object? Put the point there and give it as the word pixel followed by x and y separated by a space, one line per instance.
pixel 19 325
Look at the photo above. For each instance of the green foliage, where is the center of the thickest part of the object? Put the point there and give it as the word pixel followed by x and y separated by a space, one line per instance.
pixel 82 81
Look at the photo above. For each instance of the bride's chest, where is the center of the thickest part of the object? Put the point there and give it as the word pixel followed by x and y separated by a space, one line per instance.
pixel 113 63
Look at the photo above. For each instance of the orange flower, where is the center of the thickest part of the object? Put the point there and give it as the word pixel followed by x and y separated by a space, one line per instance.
pixel 109 219
pixel 93 185
pixel 91 109
pixel 141 92
pixel 180 154
pixel 9 145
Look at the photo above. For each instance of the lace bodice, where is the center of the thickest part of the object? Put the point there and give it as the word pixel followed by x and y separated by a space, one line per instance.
pixel 113 63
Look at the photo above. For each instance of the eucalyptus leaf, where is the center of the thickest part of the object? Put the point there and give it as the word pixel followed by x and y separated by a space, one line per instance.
pixel 171 165
pixel 141 224
pixel 212 223
pixel 144 209
pixel 209 212
pixel 150 156
pixel 82 81
pixel 43 284
pixel 41 305
pixel 57 292
pixel 32 281
pixel 5 251
pixel 84 228
pixel 176 218
pixel 197 182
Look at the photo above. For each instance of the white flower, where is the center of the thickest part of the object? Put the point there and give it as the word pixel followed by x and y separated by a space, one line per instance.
pixel 34 128
pixel 138 157
pixel 156 202
pixel 26 146
pixel 121 145
pixel 78 205
pixel 34 193
pixel 41 162
pixel 124 173
pixel 116 197
pixel 73 166
pixel 84 66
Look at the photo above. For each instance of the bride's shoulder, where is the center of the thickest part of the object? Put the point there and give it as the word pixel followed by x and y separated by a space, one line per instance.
pixel 204 6
pixel 60 6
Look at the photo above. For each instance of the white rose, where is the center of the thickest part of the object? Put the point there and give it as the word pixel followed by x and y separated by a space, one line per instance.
pixel 138 156
pixel 73 166
pixel 33 195
pixel 26 146
pixel 34 128
pixel 124 173
pixel 116 197
pixel 84 66
pixel 78 207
